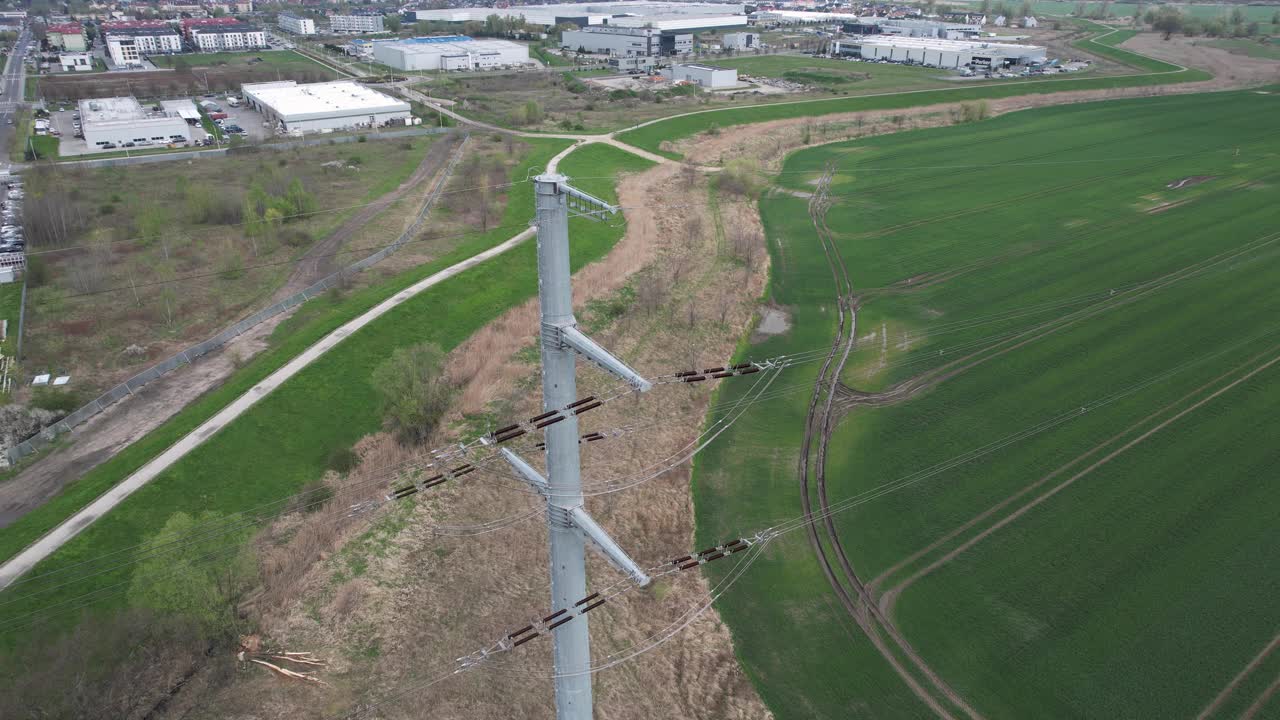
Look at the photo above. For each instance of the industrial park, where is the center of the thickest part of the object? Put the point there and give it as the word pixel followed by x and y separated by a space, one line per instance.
pixel 638 359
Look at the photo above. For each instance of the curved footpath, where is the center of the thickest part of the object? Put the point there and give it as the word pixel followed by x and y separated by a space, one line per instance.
pixel 18 565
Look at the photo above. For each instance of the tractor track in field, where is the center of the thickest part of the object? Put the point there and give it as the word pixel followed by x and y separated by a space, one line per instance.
pixel 1232 686
pixel 912 387
pixel 890 597
pixel 861 608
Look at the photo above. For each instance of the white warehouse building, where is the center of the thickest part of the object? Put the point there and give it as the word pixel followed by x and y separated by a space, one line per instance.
pixel 452 52
pixel 705 76
pixel 936 52
pixel 296 24
pixel 123 121
pixel 324 107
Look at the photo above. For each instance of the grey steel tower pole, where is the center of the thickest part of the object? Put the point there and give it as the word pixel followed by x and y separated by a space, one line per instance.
pixel 559 388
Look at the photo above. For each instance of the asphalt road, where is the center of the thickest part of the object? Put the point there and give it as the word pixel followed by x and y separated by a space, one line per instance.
pixel 12 84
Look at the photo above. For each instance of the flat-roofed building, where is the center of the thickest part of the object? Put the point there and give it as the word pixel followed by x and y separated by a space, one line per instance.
pixel 705 76
pixel 75 62
pixel 228 38
pixel 626 41
pixel 451 52
pixel 936 52
pixel 324 107
pixel 129 46
pixel 741 41
pixel 358 23
pixel 124 122
pixel 296 24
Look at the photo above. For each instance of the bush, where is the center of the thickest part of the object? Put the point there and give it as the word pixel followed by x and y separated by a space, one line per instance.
pixel 37 271
pixel 343 460
pixel 414 390
pixel 294 237
pixel 63 401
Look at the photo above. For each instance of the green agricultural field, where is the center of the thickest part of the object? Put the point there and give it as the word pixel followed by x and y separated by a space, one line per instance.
pixel 1149 71
pixel 285 440
pixel 839 75
pixel 1142 238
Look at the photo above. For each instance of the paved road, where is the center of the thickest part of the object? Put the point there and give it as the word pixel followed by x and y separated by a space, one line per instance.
pixel 45 546
pixel 12 84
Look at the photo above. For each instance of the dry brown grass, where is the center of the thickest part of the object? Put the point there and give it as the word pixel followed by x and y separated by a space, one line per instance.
pixel 431 595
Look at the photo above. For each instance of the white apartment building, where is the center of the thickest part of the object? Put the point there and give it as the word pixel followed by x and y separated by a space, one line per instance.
pixel 128 48
pixel 223 38
pixel 296 24
pixel 356 24
pixel 75 62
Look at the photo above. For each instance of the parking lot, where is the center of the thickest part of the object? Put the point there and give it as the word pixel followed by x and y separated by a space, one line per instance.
pixel 249 120
pixel 12 236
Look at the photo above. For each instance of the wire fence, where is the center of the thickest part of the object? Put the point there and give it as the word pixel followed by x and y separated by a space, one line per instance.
pixel 128 387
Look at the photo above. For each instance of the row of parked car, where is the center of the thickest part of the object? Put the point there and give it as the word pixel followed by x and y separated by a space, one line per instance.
pixel 11 233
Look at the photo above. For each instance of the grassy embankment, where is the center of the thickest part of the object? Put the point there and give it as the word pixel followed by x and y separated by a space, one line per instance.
pixel 1268 49
pixel 1153 72
pixel 284 442
pixel 1087 605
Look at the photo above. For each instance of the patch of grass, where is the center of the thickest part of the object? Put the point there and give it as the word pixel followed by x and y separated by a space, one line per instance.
pixel 284 441
pixel 10 305
pixel 1085 605
pixel 651 137
pixel 1253 48
pixel 282 59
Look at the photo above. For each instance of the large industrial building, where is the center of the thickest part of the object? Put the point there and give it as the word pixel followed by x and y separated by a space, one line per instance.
pixel 324 107
pixel 296 24
pixel 451 52
pixel 128 46
pixel 358 23
pixel 657 15
pixel 939 53
pixel 124 122
pixel 913 28
pixel 705 76
pixel 626 42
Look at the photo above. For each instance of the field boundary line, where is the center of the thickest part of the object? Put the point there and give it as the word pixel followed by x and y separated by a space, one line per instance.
pixel 890 597
pixel 19 564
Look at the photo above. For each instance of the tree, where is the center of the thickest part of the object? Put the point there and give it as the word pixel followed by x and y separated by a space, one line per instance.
pixel 415 392
pixel 1167 21
pixel 1237 16
pixel 392 23
pixel 203 582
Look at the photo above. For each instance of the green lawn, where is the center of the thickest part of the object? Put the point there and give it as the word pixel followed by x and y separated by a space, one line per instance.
pixel 1269 49
pixel 1143 588
pixel 283 59
pixel 1260 13
pixel 284 441
pixel 839 75
pixel 10 303
pixel 1152 72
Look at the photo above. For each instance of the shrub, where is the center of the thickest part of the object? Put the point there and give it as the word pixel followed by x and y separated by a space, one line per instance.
pixel 47 398
pixel 415 393
pixel 343 460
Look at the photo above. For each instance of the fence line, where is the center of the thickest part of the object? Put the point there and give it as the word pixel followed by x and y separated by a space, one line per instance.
pixel 190 354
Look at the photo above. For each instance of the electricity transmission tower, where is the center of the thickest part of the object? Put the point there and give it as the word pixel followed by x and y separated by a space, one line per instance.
pixel 570 526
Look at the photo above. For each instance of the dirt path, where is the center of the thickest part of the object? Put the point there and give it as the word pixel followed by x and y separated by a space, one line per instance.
pixel 1231 687
pixel 891 596
pixel 319 261
pixel 863 610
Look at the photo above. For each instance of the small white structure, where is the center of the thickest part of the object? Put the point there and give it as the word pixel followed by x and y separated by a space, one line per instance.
pixel 356 24
pixel 124 122
pixel 324 107
pixel 939 53
pixel 40 379
pixel 1000 21
pixel 1030 22
pixel 707 77
pixel 75 62
pixel 741 41
pixel 185 109
pixel 296 24
pixel 452 52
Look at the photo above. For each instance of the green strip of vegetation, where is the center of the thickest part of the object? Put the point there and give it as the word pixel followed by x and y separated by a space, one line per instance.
pixel 285 440
pixel 651 137
pixel 1106 45
pixel 10 304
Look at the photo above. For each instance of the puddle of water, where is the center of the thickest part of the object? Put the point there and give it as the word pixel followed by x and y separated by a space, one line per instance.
pixel 773 321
